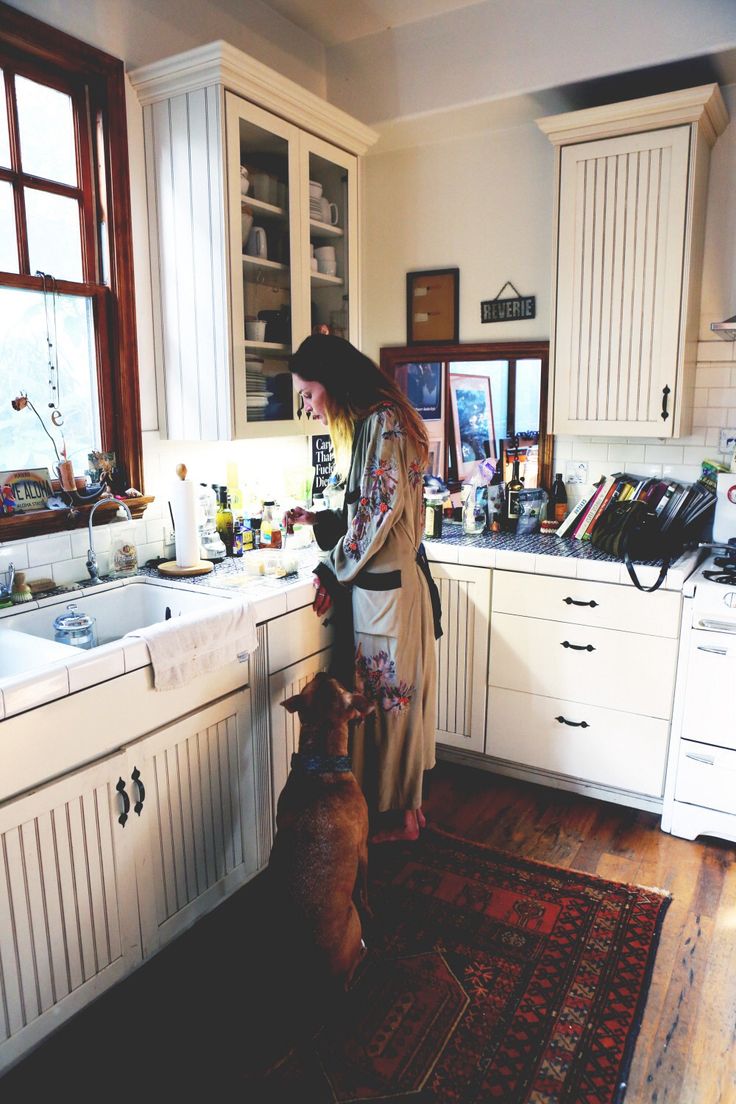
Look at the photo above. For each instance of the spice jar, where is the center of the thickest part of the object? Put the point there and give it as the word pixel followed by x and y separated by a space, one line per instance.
pixel 433 507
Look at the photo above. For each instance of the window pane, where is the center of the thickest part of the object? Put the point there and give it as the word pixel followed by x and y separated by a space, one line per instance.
pixel 528 382
pixel 4 139
pixel 24 366
pixel 8 243
pixel 46 123
pixel 54 243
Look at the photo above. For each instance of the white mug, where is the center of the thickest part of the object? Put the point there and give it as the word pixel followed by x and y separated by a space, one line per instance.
pixel 261 182
pixel 255 329
pixel 325 253
pixel 329 211
pixel 256 246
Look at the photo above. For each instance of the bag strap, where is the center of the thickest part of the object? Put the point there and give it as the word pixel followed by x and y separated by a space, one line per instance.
pixel 633 576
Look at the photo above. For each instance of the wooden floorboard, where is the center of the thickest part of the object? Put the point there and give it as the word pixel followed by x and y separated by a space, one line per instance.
pixel 686 1052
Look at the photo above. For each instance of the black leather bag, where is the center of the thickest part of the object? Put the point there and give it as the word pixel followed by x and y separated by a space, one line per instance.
pixel 632 531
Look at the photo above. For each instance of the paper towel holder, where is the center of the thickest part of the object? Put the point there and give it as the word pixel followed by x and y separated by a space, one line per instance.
pixel 171 567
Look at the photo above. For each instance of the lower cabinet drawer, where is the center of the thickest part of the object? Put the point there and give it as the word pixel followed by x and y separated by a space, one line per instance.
pixel 706 776
pixel 294 636
pixel 625 671
pixel 606 746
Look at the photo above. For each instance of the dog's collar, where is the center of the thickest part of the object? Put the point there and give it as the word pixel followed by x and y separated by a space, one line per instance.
pixel 320 764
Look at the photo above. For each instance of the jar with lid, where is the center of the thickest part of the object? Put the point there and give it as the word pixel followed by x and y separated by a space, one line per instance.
pixel 75 628
pixel 270 526
pixel 433 507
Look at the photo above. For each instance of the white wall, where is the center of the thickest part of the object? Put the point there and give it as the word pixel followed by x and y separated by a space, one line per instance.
pixel 455 194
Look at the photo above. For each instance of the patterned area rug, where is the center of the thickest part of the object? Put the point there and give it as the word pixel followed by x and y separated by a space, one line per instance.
pixel 488 978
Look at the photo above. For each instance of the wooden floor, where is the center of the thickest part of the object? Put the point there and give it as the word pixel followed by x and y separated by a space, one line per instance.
pixel 177 1022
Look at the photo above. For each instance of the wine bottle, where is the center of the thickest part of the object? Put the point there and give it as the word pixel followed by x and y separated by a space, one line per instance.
pixel 224 520
pixel 559 498
pixel 514 485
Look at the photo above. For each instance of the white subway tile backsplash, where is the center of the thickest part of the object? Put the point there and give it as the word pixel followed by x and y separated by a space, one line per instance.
pixel 70 571
pixel 709 375
pixel 47 550
pixel 683 473
pixel 663 454
pixel 717 351
pixel 722 396
pixel 15 553
pixel 626 453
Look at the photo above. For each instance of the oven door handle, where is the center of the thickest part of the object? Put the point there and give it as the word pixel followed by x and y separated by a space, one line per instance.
pixel 717 626
pixel 712 648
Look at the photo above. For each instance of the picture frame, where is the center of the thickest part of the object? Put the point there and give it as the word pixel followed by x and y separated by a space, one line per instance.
pixel 435 460
pixel 472 419
pixel 432 306
pixel 423 384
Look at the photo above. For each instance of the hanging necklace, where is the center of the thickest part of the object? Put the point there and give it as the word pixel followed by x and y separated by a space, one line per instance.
pixel 49 287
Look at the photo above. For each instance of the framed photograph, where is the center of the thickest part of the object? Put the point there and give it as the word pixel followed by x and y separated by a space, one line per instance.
pixel 422 383
pixel 472 419
pixel 435 462
pixel 432 306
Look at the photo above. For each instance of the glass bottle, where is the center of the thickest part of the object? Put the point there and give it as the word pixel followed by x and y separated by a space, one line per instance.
pixel 514 485
pixel 433 515
pixel 238 537
pixel 270 527
pixel 559 498
pixel 224 520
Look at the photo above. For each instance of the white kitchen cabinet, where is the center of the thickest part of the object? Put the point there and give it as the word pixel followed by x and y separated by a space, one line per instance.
pixel 68 902
pixel 631 183
pixel 462 654
pixel 199 815
pixel 285 726
pixel 581 684
pixel 207 113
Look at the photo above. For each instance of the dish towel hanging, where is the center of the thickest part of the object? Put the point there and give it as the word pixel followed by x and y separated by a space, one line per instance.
pixel 195 643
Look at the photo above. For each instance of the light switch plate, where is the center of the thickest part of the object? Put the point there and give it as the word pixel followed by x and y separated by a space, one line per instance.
pixel 727 441
pixel 576 471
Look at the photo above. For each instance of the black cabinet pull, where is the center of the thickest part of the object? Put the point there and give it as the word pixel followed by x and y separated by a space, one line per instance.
pixel 665 392
pixel 576 602
pixel 578 647
pixel 572 724
pixel 136 777
pixel 126 802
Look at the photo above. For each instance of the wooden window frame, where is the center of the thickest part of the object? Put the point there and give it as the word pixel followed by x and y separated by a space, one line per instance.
pixel 96 81
pixel 394 355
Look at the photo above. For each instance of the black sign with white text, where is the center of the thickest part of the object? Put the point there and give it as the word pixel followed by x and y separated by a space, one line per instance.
pixel 508 310
pixel 323 460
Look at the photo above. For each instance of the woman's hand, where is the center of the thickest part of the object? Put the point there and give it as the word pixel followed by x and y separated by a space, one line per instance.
pixel 299 516
pixel 322 601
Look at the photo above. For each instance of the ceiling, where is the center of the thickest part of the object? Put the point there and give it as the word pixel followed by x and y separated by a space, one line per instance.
pixel 334 21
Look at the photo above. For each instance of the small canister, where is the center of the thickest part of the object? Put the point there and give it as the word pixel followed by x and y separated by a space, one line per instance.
pixel 433 505
pixel 75 628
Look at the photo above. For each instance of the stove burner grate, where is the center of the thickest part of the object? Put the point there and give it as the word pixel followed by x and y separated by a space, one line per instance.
pixel 726 576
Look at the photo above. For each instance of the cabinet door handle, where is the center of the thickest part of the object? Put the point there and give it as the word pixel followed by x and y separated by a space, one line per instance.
pixel 665 393
pixel 578 647
pixel 136 777
pixel 126 802
pixel 572 724
pixel 576 602
pixel 709 760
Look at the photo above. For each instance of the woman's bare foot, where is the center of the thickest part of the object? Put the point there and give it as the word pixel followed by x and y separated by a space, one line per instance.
pixel 408 831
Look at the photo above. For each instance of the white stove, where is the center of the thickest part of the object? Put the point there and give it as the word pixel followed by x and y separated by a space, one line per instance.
pixel 700 788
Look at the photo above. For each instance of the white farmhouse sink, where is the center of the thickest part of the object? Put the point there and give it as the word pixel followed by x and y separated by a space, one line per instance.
pixel 117 611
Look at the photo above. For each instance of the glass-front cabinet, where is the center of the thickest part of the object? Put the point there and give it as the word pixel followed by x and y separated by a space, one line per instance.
pixel 252 197
pixel 291 197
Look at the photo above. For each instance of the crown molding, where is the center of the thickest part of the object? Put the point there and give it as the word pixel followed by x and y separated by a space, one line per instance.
pixel 219 63
pixel 703 105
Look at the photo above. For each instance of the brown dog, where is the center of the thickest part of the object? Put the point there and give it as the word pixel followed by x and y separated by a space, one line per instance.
pixel 319 858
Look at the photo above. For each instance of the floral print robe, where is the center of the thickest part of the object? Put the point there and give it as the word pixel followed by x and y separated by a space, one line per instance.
pixel 394 629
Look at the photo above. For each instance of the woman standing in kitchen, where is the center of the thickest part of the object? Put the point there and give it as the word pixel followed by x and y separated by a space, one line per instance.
pixel 377 569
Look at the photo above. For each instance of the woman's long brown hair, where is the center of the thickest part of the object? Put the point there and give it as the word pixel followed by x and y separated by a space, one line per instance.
pixel 354 388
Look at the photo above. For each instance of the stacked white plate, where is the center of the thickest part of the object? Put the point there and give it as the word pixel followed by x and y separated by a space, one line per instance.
pixel 256 406
pixel 315 209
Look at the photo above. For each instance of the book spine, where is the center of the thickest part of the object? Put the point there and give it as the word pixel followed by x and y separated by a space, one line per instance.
pixel 586 515
pixel 610 492
pixel 574 515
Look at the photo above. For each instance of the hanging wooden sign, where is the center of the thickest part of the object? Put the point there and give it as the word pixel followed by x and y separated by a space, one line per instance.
pixel 508 310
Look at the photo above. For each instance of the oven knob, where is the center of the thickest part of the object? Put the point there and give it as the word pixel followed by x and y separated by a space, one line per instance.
pixel 729 598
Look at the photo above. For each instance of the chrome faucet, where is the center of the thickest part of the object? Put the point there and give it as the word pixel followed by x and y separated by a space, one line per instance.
pixel 92 568
pixel 6 585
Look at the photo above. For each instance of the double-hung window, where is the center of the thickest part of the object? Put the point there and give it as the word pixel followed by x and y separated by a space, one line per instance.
pixel 67 311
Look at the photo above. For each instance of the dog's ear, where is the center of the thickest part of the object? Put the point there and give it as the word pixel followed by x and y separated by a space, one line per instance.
pixel 295 703
pixel 361 706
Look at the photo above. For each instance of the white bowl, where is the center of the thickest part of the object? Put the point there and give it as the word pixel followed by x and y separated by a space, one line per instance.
pixel 327 268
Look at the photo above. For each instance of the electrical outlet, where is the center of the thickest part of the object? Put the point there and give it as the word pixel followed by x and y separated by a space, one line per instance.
pixel 727 441
pixel 576 471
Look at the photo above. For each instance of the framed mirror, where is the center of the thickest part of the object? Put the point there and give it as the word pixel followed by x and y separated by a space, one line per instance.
pixel 479 399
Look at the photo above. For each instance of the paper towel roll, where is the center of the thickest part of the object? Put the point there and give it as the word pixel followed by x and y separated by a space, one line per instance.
pixel 184 509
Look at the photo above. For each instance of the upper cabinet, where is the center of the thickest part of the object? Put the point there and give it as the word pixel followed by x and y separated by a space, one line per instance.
pixel 252 189
pixel 631 184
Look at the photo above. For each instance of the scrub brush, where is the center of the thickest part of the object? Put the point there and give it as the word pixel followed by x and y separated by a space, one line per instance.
pixel 21 591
